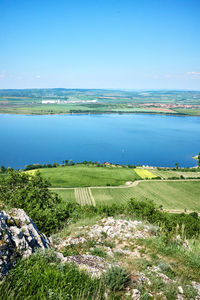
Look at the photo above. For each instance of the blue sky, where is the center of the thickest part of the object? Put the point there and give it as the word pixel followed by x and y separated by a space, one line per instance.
pixel 131 44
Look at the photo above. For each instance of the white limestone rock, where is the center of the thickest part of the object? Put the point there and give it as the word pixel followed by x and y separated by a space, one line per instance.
pixel 19 237
pixel 135 294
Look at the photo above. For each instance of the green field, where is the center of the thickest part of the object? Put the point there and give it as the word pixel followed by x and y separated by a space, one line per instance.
pixel 66 195
pixel 170 173
pixel 172 195
pixel 83 176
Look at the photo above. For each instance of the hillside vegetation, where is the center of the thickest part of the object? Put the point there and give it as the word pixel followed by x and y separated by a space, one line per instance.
pixel 129 249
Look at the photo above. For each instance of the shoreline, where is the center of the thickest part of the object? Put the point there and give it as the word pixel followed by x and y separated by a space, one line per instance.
pixel 98 113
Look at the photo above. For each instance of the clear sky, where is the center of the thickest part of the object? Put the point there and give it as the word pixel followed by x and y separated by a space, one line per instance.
pixel 131 44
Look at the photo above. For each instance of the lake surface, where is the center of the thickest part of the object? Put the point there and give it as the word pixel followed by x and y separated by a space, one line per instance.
pixel 157 140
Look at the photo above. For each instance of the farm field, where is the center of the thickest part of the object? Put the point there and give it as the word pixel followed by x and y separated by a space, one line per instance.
pixel 171 195
pixel 189 174
pixel 31 172
pixel 145 174
pixel 67 195
pixel 84 176
pixel 84 196
pixel 170 173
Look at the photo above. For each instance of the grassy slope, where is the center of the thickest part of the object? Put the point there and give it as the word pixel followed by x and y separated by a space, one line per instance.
pixel 82 176
pixel 172 195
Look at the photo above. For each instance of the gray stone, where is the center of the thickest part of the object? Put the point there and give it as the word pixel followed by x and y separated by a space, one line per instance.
pixel 19 238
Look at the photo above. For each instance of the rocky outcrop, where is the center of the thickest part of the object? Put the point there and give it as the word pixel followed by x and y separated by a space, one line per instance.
pixel 110 236
pixel 94 265
pixel 110 228
pixel 19 237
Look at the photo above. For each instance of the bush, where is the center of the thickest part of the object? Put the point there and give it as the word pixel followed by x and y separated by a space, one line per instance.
pixel 31 193
pixel 169 222
pixel 116 278
pixel 98 252
pixel 194 215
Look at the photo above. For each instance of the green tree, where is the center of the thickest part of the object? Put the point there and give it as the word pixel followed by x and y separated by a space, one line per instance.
pixel 3 169
pixel 31 193
pixel 55 165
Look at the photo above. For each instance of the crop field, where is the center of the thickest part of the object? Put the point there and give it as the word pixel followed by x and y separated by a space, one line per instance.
pixel 145 174
pixel 84 176
pixel 84 196
pixel 171 195
pixel 170 173
pixel 189 174
pixel 31 172
pixel 67 195
pixel 165 174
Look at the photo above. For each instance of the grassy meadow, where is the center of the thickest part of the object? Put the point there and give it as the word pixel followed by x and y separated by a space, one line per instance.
pixel 84 176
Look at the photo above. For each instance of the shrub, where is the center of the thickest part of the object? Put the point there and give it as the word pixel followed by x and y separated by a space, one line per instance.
pixel 31 193
pixel 98 252
pixel 116 278
pixel 194 215
pixel 168 222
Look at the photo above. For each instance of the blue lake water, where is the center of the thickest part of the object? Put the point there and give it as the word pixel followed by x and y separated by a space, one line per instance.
pixel 157 140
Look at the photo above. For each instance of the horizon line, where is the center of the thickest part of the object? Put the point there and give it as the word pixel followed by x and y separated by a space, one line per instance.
pixel 109 89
